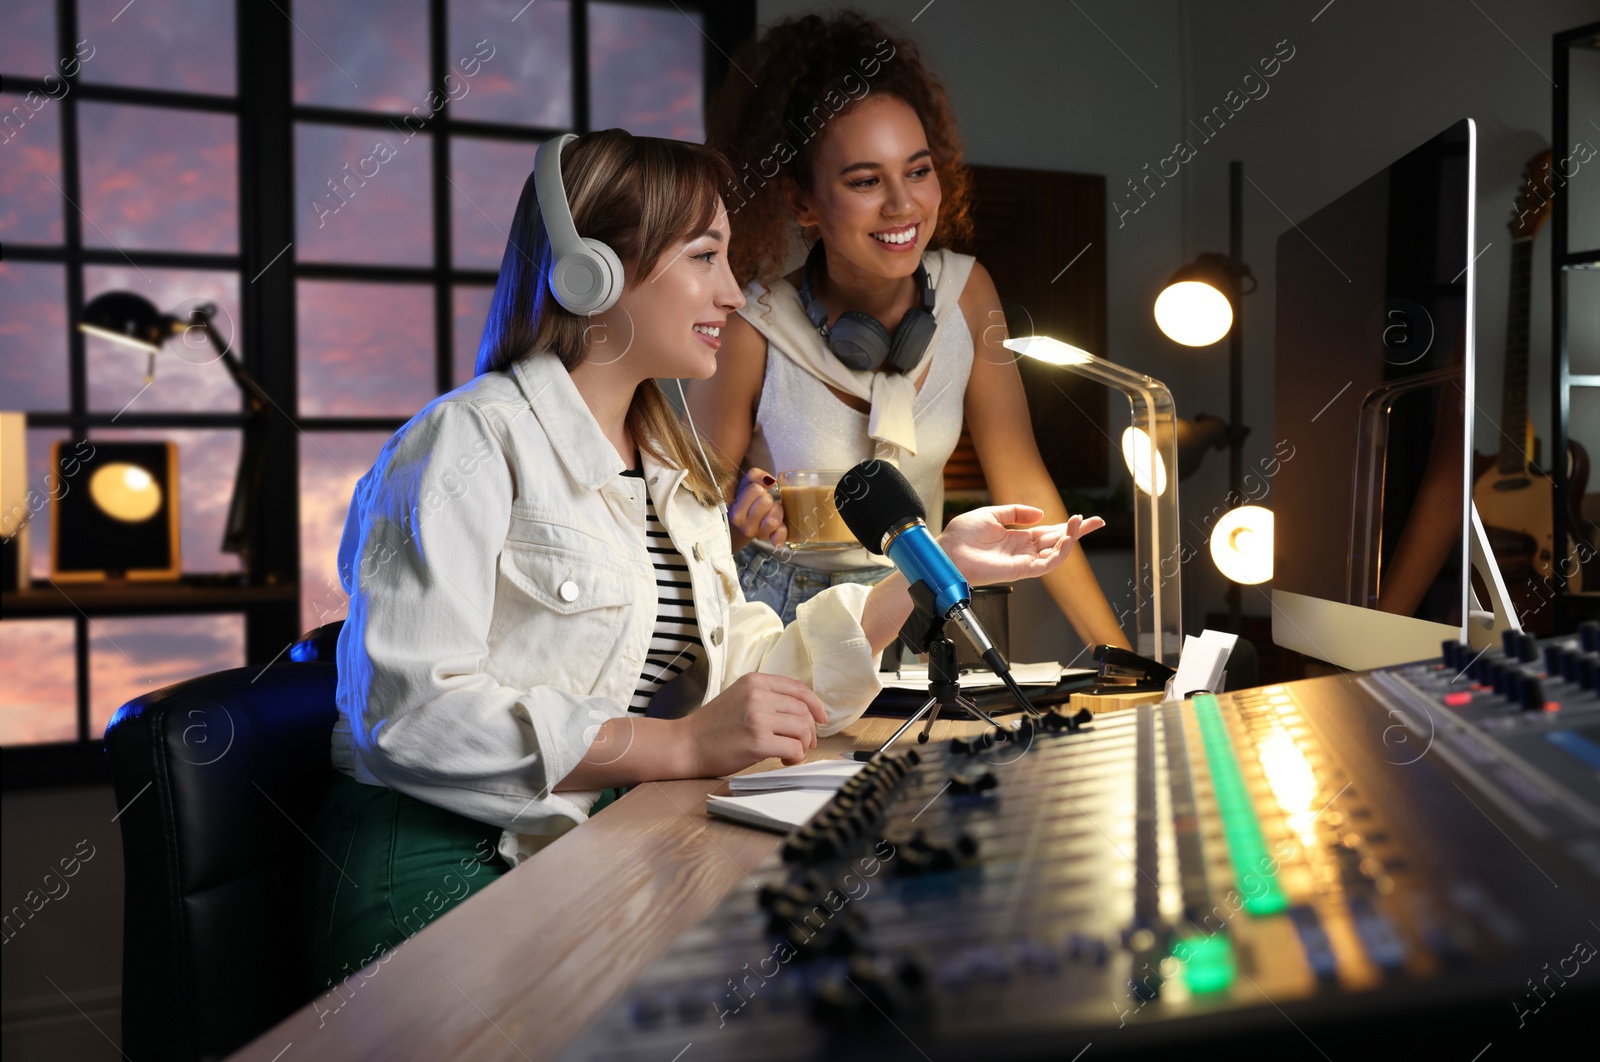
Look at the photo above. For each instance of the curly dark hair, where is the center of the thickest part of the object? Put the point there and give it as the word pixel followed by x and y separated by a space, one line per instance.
pixel 783 86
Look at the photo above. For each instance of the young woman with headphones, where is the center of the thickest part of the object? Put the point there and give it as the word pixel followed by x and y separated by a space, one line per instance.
pixel 884 340
pixel 543 598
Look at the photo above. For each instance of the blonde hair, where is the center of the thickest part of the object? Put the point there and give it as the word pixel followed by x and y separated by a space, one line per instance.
pixel 642 196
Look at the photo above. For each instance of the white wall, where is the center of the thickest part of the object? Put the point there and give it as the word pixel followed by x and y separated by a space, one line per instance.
pixel 1039 84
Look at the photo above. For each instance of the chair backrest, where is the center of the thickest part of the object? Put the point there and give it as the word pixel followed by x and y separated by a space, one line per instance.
pixel 218 779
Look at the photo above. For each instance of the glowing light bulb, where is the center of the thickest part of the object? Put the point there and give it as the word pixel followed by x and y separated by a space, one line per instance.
pixel 1241 544
pixel 1050 351
pixel 1193 313
pixel 1137 453
pixel 125 492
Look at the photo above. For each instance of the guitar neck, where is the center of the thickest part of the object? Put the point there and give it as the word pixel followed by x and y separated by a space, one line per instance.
pixel 1512 457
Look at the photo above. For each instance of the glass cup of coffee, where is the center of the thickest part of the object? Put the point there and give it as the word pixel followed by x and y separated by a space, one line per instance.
pixel 809 515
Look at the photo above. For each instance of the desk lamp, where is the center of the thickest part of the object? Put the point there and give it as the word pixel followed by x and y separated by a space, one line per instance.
pixel 1150 448
pixel 132 321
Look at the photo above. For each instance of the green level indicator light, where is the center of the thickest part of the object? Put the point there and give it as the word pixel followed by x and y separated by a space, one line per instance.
pixel 1207 963
pixel 1247 848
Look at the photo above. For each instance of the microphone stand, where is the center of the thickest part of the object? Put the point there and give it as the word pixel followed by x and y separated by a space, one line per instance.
pixel 924 632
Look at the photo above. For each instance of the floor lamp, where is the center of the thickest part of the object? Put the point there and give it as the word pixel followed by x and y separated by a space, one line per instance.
pixel 1201 304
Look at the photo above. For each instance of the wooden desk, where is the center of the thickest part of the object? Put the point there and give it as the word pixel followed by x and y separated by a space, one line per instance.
pixel 521 968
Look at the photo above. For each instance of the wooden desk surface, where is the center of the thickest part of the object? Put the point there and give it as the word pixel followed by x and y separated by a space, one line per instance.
pixel 521 968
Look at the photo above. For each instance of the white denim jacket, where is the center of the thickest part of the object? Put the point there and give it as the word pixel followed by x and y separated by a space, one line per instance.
pixel 502 600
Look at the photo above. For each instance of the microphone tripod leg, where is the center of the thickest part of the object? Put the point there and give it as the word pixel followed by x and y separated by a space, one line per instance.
pixel 862 755
pixel 972 707
pixel 933 717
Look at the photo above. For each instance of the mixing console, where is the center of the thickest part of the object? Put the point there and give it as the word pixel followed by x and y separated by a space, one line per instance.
pixel 1407 858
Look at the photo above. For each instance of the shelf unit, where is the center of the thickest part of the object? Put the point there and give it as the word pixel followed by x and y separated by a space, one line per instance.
pixel 1569 608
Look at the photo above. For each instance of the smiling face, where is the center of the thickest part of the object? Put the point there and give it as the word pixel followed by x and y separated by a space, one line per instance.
pixel 874 193
pixel 672 319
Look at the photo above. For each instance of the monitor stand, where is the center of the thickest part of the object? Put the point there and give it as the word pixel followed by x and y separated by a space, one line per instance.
pixel 1485 626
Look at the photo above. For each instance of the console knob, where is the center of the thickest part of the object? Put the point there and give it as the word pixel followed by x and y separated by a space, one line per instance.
pixel 1589 673
pixel 1447 653
pixel 1528 648
pixel 1554 657
pixel 1532 694
pixel 1589 636
pixel 973 783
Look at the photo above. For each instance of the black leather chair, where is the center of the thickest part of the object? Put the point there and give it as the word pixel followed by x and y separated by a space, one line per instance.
pixel 217 779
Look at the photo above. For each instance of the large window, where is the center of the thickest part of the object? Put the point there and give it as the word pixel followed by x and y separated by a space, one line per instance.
pixel 337 179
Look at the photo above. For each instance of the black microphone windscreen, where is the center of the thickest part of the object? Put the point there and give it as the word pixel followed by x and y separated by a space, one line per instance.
pixel 874 497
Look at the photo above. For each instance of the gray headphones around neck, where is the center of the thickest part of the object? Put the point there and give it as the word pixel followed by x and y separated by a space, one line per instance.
pixel 860 340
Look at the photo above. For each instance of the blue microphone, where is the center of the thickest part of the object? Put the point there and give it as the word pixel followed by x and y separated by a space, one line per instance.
pixel 915 552
pixel 884 513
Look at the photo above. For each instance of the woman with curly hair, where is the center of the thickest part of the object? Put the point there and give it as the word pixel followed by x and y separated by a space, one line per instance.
pixel 886 338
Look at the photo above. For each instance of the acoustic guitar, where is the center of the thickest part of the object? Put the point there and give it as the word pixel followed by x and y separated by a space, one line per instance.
pixel 1514 496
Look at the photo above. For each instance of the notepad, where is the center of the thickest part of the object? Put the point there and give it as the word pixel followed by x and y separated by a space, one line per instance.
pixel 819 774
pixel 779 810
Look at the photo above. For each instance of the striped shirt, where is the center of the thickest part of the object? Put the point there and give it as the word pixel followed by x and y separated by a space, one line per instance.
pixel 675 643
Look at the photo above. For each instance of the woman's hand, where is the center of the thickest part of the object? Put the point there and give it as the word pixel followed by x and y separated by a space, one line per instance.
pixel 756 511
pixel 987 551
pixel 758 716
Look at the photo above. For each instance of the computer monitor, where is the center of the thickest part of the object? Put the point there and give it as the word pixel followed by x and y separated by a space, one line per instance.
pixel 1374 403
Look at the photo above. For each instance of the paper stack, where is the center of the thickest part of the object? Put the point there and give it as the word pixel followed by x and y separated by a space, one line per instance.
pixel 915 676
pixel 1202 663
pixel 784 799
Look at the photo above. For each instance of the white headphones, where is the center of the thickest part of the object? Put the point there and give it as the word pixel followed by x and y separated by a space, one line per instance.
pixel 587 276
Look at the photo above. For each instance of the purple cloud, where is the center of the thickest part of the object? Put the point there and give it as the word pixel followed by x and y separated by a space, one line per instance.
pixel 30 158
pixel 132 657
pixel 330 465
pixel 38 691
pixel 33 335
pixel 365 349
pixel 363 195
pixel 527 80
pixel 366 56
pixel 171 45
pixel 159 179
pixel 645 71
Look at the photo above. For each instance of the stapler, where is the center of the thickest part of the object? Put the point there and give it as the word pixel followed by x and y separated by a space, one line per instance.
pixel 1125 671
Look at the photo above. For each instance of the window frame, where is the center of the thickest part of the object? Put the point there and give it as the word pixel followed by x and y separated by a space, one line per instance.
pixel 267 118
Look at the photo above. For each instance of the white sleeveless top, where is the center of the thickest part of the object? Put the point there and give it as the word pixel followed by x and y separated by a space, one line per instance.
pixel 801 424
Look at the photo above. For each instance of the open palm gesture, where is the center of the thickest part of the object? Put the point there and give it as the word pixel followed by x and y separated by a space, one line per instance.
pixel 987 551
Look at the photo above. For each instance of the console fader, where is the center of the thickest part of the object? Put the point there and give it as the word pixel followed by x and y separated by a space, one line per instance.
pixel 1405 858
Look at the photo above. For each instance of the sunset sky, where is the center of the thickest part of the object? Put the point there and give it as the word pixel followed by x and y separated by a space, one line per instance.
pixel 156 179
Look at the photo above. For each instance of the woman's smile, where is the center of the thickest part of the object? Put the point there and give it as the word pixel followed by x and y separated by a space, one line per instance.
pixel 710 333
pixel 900 239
